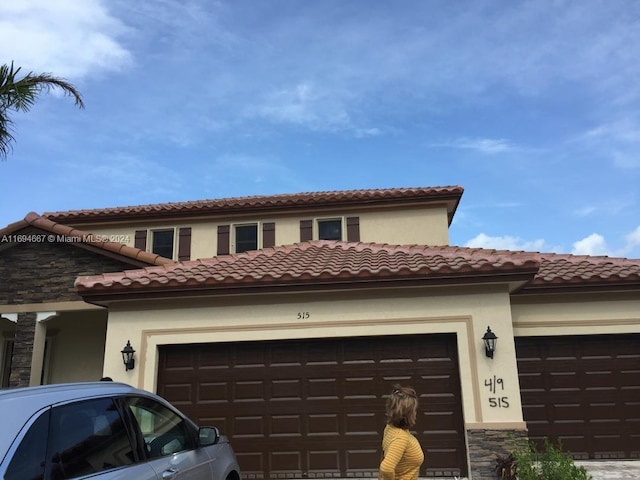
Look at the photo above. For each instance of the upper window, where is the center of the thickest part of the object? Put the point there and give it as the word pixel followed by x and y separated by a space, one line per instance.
pixel 246 237
pixel 330 229
pixel 163 243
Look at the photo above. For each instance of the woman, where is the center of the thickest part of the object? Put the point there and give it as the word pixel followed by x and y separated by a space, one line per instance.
pixel 402 454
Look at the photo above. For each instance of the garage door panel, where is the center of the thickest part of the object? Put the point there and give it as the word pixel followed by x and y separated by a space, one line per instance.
pixel 629 379
pixel 360 460
pixel 252 462
pixel 286 425
pixel 285 462
pixel 249 426
pixel 182 394
pixel 290 389
pixel 443 422
pixel 316 407
pixel 213 392
pixel 323 462
pixel 581 389
pixel 322 389
pixel 322 424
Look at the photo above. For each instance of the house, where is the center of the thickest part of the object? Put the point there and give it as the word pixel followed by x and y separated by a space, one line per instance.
pixel 285 320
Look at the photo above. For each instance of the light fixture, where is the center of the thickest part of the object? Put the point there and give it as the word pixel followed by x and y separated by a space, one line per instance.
pixel 490 341
pixel 127 356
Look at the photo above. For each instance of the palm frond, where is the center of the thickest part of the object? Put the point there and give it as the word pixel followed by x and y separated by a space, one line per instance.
pixel 5 136
pixel 21 94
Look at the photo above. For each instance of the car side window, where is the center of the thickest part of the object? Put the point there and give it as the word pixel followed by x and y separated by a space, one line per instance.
pixel 88 437
pixel 29 460
pixel 164 432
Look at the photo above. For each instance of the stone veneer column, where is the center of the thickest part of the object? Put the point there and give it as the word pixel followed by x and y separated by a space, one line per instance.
pixel 484 447
pixel 23 350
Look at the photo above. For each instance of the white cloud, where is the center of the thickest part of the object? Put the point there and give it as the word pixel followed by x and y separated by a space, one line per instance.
pixel 586 211
pixel 618 141
pixel 306 105
pixel 632 240
pixel 505 243
pixel 625 130
pixel 594 244
pixel 615 206
pixel 68 38
pixel 487 146
pixel 312 106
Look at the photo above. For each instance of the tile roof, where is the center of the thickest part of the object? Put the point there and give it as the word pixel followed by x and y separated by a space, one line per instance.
pixel 450 194
pixel 320 262
pixel 332 263
pixel 563 270
pixel 80 237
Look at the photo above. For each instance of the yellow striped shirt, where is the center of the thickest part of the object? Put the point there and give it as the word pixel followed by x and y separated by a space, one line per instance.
pixel 402 455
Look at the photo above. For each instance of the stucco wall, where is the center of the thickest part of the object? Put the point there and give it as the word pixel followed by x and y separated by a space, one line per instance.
pixel 76 342
pixel 576 314
pixel 423 226
pixel 466 312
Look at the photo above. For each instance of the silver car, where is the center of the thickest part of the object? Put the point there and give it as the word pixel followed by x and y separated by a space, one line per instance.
pixel 105 430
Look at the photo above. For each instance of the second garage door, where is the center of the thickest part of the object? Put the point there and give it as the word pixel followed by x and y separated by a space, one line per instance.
pixel 583 390
pixel 315 408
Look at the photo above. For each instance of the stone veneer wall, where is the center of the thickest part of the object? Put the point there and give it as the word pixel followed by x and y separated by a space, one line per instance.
pixel 38 272
pixel 45 272
pixel 485 445
pixel 22 350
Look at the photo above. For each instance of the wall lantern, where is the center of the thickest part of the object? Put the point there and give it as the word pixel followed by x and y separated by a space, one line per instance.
pixel 127 356
pixel 490 341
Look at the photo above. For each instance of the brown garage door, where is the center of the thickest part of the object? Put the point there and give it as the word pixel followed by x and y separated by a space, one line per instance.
pixel 315 408
pixel 583 390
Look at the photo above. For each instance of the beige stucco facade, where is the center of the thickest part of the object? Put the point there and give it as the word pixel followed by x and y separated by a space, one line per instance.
pixel 465 311
pixel 394 226
pixel 576 314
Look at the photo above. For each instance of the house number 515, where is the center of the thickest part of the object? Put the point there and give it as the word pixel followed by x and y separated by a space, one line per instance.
pixel 303 315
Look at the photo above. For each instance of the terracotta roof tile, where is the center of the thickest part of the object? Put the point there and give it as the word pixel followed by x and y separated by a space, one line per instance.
pixel 266 202
pixel 330 262
pixel 76 236
pixel 563 270
pixel 319 261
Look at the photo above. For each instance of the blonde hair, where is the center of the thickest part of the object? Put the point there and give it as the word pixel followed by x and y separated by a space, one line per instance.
pixel 402 407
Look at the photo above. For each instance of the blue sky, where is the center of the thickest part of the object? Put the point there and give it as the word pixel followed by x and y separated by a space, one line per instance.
pixel 532 106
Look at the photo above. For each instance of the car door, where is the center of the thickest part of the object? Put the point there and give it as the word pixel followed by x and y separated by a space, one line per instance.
pixel 170 441
pixel 81 439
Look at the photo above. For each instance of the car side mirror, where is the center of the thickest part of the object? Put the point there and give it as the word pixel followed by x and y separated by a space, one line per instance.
pixel 208 436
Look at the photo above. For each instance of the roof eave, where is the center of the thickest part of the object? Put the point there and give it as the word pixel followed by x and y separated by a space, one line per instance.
pixel 585 287
pixel 106 295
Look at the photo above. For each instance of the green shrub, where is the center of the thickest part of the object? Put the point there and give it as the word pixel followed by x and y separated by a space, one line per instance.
pixel 550 464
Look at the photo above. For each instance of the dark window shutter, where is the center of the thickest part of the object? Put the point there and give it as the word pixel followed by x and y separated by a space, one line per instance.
pixel 223 239
pixel 306 230
pixel 353 229
pixel 268 234
pixel 184 244
pixel 141 239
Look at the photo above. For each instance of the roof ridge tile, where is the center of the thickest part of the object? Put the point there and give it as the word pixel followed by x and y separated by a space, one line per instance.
pixel 281 199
